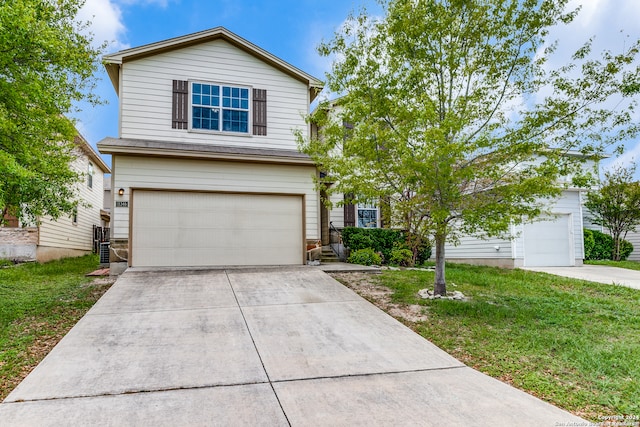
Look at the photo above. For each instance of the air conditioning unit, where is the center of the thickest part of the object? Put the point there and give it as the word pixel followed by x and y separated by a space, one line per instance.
pixel 104 253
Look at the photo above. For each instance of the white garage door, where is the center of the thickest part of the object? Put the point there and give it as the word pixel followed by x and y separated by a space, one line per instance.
pixel 549 243
pixel 211 229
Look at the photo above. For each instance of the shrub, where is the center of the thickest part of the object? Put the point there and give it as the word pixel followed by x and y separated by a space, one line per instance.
pixel 603 246
pixel 401 257
pixel 589 243
pixel 357 238
pixel 365 256
pixel 379 239
pixel 625 249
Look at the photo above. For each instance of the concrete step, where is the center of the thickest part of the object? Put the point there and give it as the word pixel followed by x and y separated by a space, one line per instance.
pixel 328 255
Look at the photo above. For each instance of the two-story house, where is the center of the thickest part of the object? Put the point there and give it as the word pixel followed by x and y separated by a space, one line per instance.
pixel 69 235
pixel 206 169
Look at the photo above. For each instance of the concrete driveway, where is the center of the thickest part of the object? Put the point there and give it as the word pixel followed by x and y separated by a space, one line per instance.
pixel 256 347
pixel 595 273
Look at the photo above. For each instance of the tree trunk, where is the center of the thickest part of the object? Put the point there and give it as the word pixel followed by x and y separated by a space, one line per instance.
pixel 440 285
pixel 616 247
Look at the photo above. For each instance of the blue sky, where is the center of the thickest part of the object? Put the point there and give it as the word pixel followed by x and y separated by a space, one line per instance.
pixel 291 30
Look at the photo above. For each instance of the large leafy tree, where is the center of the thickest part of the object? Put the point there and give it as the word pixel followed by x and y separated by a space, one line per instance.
pixel 616 205
pixel 447 115
pixel 47 64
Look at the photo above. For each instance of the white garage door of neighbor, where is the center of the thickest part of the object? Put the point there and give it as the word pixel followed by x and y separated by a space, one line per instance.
pixel 211 229
pixel 548 243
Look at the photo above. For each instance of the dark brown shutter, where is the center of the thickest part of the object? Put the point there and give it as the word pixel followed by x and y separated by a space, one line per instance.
pixel 349 211
pixel 259 111
pixel 180 110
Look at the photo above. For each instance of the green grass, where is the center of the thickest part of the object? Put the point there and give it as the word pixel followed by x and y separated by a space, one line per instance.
pixel 39 304
pixel 631 265
pixel 573 343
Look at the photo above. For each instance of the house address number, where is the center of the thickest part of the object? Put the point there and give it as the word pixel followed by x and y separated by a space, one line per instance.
pixel 122 204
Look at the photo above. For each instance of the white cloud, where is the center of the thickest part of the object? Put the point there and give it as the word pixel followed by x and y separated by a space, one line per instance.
pixel 106 23
pixel 628 158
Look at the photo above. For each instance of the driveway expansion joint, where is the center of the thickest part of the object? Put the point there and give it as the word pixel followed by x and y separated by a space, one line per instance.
pixel 368 374
pixel 131 392
pixel 160 310
pixel 244 319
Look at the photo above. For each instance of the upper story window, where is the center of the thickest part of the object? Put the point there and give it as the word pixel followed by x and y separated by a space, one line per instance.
pixel 219 108
pixel 90 175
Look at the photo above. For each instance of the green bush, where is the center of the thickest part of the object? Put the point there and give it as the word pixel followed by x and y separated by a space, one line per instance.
pixel 603 246
pixel 589 243
pixel 625 249
pixel 424 252
pixel 365 256
pixel 401 257
pixel 379 239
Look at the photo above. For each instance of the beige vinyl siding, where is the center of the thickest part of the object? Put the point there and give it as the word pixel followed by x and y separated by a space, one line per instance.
pixel 634 239
pixel 63 233
pixel 473 247
pixel 588 223
pixel 147 90
pixel 206 175
pixel 336 214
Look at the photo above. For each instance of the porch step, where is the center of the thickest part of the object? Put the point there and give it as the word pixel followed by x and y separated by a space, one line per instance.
pixel 328 255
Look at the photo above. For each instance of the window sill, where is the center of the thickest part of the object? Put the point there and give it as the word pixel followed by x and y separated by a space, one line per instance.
pixel 221 133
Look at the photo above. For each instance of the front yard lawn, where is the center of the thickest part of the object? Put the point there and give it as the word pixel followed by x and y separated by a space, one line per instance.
pixel 631 265
pixel 39 303
pixel 573 343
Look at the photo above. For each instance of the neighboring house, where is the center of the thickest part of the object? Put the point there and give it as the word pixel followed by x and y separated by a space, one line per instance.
pixel 553 240
pixel 206 169
pixel 68 235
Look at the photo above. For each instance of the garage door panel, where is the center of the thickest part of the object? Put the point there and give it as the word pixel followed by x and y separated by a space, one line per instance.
pixel 202 229
pixel 549 242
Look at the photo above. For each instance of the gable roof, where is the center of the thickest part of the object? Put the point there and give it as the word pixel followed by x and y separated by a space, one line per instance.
pixel 114 61
pixel 81 142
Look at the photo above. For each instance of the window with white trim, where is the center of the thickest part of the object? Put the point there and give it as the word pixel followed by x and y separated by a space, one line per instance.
pixel 367 215
pixel 219 107
pixel 90 175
